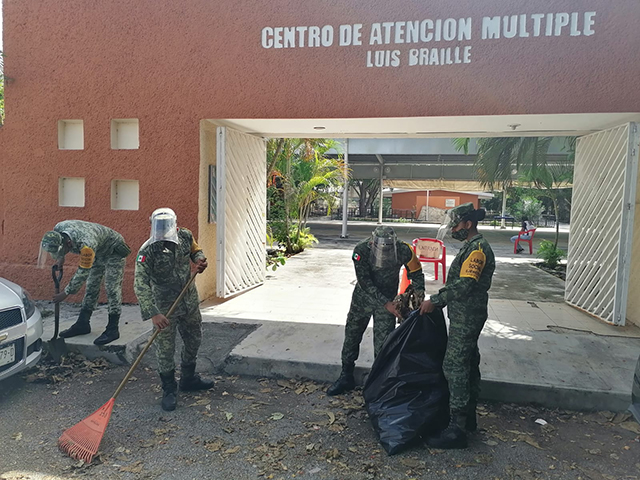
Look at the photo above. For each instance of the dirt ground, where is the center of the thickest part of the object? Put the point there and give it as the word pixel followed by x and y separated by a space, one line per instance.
pixel 252 428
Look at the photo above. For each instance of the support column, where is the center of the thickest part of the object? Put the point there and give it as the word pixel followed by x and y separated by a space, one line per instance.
pixel 381 161
pixel 381 194
pixel 427 219
pixel 345 194
pixel 503 222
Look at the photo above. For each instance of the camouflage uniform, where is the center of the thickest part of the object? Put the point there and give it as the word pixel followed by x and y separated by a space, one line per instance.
pixel 160 275
pixel 102 255
pixel 466 297
pixel 375 287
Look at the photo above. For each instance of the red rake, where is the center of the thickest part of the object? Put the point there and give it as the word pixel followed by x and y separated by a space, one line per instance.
pixel 83 439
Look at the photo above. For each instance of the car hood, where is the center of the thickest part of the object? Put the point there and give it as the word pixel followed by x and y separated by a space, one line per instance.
pixel 10 294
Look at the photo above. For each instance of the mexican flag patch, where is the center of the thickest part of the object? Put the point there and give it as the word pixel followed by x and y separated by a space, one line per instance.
pixel 141 258
pixel 356 257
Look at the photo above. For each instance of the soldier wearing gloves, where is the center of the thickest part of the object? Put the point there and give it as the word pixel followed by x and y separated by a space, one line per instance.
pixel 466 297
pixel 163 268
pixel 377 262
pixel 102 255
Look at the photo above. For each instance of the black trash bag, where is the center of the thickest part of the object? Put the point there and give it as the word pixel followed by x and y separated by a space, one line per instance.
pixel 406 393
pixel 635 394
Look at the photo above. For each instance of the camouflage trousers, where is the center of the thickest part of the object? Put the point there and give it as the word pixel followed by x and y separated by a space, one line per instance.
pixel 462 360
pixel 358 319
pixel 190 328
pixel 111 270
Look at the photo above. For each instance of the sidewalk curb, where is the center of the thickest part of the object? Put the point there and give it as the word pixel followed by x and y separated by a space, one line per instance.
pixel 116 354
pixel 555 397
pixel 509 392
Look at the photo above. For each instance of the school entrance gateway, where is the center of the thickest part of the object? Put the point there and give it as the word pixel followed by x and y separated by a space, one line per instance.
pixel 115 110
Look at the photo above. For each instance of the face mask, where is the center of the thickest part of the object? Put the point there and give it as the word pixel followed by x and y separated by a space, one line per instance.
pixel 461 234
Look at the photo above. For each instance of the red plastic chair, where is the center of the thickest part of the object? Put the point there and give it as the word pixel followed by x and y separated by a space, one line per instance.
pixel 520 239
pixel 430 250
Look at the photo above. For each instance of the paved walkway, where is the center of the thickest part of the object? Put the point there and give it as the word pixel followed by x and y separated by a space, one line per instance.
pixel 534 347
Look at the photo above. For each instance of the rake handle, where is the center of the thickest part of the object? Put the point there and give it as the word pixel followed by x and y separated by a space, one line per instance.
pixel 153 337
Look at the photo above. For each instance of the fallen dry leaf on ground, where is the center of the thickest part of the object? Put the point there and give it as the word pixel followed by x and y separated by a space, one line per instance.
pixel 135 467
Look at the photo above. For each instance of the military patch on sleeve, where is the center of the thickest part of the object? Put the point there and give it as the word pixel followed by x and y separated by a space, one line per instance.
pixel 141 258
pixel 194 246
pixel 356 257
pixel 474 264
pixel 414 264
pixel 87 256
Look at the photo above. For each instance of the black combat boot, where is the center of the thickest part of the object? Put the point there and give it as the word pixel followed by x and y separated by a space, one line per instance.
pixel 471 425
pixel 111 333
pixel 191 381
pixel 81 327
pixel 453 436
pixel 345 382
pixel 169 389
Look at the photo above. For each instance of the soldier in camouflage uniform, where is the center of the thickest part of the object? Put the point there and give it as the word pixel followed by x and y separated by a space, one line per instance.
pixel 466 297
pixel 102 256
pixel 377 261
pixel 163 268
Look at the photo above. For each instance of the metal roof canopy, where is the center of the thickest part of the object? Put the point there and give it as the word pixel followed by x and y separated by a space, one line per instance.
pixel 415 167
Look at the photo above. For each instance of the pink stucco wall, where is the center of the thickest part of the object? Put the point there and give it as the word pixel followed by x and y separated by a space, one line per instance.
pixel 171 64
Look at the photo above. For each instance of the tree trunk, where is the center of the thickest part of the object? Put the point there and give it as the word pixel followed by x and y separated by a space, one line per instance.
pixel 371 198
pixel 555 209
pixel 287 206
pixel 275 156
pixel 362 201
pixel 503 222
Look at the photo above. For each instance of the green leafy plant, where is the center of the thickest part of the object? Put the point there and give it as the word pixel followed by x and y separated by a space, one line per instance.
pixel 502 161
pixel 528 208
pixel 302 239
pixel 301 174
pixel 550 254
pixel 275 259
pixel 290 238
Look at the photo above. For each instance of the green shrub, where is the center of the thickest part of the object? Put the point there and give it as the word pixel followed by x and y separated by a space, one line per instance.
pixel 292 241
pixel 275 259
pixel 550 254
pixel 304 240
pixel 529 208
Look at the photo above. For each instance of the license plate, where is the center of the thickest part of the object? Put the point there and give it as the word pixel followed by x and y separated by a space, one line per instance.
pixel 7 355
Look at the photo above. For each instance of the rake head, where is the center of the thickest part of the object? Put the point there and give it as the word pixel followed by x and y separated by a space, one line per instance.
pixel 83 439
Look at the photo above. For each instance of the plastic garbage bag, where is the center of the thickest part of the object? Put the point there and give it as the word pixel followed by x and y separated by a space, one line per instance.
pixel 635 394
pixel 406 393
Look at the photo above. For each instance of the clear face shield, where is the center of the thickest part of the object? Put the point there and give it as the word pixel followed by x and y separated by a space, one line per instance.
pixel 384 253
pixel 48 259
pixel 164 226
pixel 52 250
pixel 446 226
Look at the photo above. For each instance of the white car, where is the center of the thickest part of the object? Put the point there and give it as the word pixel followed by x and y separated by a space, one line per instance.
pixel 20 330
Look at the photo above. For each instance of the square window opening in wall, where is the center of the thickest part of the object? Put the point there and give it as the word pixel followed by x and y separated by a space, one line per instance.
pixel 125 194
pixel 71 192
pixel 125 134
pixel 70 135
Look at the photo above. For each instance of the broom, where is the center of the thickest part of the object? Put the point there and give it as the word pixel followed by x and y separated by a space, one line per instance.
pixel 83 439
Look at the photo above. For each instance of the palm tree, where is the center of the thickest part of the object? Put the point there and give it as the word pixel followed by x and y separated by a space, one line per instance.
pixel 499 161
pixel 499 158
pixel 551 179
pixel 305 174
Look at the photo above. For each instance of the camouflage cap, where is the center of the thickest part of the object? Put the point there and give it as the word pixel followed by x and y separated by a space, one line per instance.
pixel 384 231
pixel 51 241
pixel 457 214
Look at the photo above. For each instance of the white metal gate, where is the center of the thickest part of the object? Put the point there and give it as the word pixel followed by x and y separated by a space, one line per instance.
pixel 602 209
pixel 241 211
